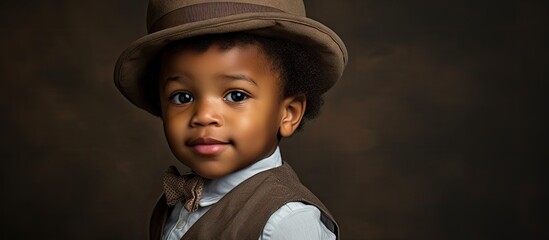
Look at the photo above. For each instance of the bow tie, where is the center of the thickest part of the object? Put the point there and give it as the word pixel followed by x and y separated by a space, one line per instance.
pixel 186 188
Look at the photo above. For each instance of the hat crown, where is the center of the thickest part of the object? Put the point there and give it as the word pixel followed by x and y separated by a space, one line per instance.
pixel 158 8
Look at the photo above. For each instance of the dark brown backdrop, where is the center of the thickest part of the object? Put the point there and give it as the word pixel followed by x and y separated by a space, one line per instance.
pixel 436 131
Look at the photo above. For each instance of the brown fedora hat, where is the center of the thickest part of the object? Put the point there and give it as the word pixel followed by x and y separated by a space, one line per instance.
pixel 168 21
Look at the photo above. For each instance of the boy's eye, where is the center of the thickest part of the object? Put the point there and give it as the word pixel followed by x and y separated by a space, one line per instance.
pixel 236 96
pixel 181 98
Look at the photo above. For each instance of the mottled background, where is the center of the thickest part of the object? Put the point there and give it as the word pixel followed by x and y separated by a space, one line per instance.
pixel 436 130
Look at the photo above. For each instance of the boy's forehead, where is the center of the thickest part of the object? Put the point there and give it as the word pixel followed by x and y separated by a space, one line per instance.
pixel 252 49
pixel 171 58
pixel 218 44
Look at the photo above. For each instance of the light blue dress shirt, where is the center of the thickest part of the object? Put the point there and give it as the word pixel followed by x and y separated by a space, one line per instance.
pixel 294 220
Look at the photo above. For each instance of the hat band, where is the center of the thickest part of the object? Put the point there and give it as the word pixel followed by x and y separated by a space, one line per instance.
pixel 204 11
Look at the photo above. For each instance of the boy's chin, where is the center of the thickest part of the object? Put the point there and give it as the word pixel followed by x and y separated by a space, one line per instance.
pixel 211 172
pixel 212 175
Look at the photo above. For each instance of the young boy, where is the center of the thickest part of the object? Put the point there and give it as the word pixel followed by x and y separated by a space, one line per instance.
pixel 230 80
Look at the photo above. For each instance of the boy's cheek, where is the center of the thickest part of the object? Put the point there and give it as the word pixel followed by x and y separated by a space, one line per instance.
pixel 170 111
pixel 173 126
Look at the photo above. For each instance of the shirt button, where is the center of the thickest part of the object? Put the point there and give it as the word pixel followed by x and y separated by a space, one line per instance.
pixel 181 224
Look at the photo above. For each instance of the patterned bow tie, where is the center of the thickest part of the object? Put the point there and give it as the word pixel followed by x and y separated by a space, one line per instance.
pixel 186 188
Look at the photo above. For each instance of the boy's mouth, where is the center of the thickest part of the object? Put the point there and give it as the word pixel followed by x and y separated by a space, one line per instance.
pixel 207 145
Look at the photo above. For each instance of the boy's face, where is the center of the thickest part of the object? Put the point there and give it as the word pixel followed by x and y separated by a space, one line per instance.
pixel 221 108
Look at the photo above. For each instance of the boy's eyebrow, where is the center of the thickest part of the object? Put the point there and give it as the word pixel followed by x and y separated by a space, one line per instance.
pixel 222 76
pixel 237 77
pixel 172 78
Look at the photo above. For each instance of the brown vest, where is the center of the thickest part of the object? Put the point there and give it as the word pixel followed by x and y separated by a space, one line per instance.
pixel 244 211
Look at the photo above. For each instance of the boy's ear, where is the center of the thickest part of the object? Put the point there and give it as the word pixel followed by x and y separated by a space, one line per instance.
pixel 293 109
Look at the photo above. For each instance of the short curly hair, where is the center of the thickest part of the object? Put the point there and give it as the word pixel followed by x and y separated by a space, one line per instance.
pixel 297 65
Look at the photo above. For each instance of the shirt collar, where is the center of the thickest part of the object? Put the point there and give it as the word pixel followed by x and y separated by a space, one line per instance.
pixel 215 189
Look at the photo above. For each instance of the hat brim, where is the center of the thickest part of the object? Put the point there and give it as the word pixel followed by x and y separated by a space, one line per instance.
pixel 131 68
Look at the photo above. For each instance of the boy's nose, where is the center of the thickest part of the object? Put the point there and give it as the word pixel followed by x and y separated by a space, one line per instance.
pixel 206 114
